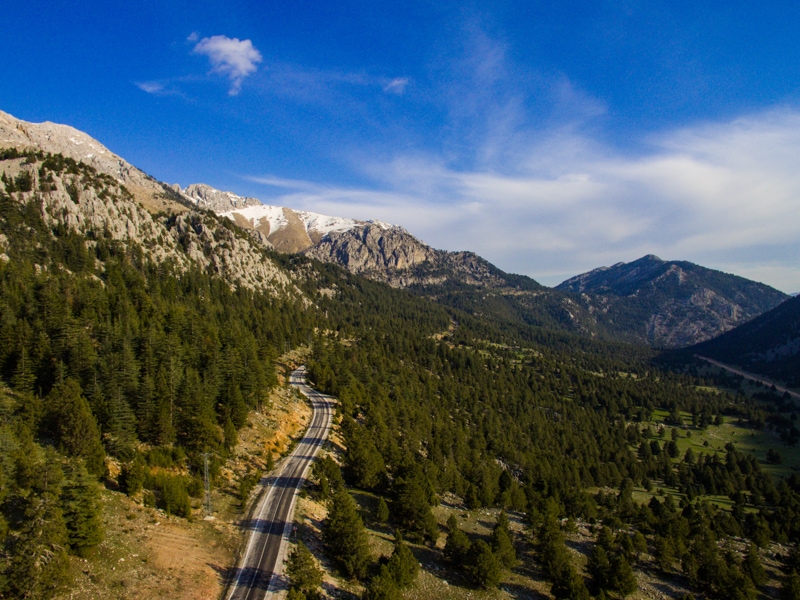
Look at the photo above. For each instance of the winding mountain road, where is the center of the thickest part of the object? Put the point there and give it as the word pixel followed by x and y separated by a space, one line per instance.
pixel 260 570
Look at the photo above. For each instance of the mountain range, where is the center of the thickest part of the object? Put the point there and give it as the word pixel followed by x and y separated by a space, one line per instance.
pixel 147 327
pixel 662 303
pixel 651 301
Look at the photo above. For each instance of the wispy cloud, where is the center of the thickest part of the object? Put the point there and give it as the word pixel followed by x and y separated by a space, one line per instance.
pixel 397 85
pixel 726 195
pixel 332 89
pixel 521 171
pixel 230 57
pixel 151 87
pixel 159 87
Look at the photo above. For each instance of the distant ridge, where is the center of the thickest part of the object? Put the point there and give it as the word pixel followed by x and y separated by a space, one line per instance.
pixel 768 345
pixel 648 301
pixel 676 303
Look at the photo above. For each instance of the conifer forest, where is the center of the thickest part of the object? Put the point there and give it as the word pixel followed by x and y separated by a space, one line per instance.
pixel 106 353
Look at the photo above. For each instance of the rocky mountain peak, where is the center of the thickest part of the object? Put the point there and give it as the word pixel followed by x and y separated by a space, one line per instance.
pixel 681 303
pixel 209 198
pixel 373 249
pixel 77 145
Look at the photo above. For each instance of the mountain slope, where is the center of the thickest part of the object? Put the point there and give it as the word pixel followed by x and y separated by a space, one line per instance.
pixel 670 303
pixel 769 344
pixel 77 145
pixel 649 301
pixel 74 197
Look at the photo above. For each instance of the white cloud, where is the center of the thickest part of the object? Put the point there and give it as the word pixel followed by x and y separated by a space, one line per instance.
pixel 151 87
pixel 165 87
pixel 231 57
pixel 396 86
pixel 724 195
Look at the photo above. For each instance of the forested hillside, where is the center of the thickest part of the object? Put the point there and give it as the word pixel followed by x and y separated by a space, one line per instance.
pixel 111 348
pixel 103 349
pixel 768 345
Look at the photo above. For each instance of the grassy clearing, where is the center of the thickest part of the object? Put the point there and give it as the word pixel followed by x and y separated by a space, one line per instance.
pixel 714 438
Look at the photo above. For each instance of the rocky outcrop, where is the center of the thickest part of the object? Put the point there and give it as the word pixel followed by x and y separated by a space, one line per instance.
pixel 670 303
pixel 376 251
pixel 97 205
pixel 70 142
pixel 391 254
pixel 209 198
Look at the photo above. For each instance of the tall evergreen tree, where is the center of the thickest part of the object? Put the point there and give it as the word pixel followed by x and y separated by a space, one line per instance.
pixel 412 509
pixel 38 557
pixel 484 567
pixel 502 546
pixel 345 536
pixel 457 547
pixel 382 586
pixel 74 425
pixel 403 565
pixel 80 501
pixel 304 574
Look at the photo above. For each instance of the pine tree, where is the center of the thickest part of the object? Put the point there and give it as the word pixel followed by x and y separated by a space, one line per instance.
pixel 382 512
pixel 753 568
pixel 74 425
pixel 599 567
pixel 345 536
pixel 790 588
pixel 457 547
pixel 295 594
pixel 484 567
pixel 568 584
pixel 403 565
pixel 304 574
pixel 621 578
pixel 502 546
pixel 363 464
pixel 25 458
pixel 38 561
pixel 131 477
pixel 24 379
pixel 382 586
pixel 80 503
pixel 121 426
pixel 412 510
pixel 230 436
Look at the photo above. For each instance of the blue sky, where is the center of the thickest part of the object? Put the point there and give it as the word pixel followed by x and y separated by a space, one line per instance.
pixel 549 137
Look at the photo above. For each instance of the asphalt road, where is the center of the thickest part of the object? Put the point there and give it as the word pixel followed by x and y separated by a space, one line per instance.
pixel 260 572
pixel 750 376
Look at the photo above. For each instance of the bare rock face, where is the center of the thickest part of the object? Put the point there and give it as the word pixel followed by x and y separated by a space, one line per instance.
pixel 372 250
pixel 92 204
pixel 391 254
pixel 208 198
pixel 670 303
pixel 68 141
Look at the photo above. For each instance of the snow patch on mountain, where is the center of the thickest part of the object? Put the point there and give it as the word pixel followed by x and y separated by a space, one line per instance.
pixel 259 214
pixel 324 224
